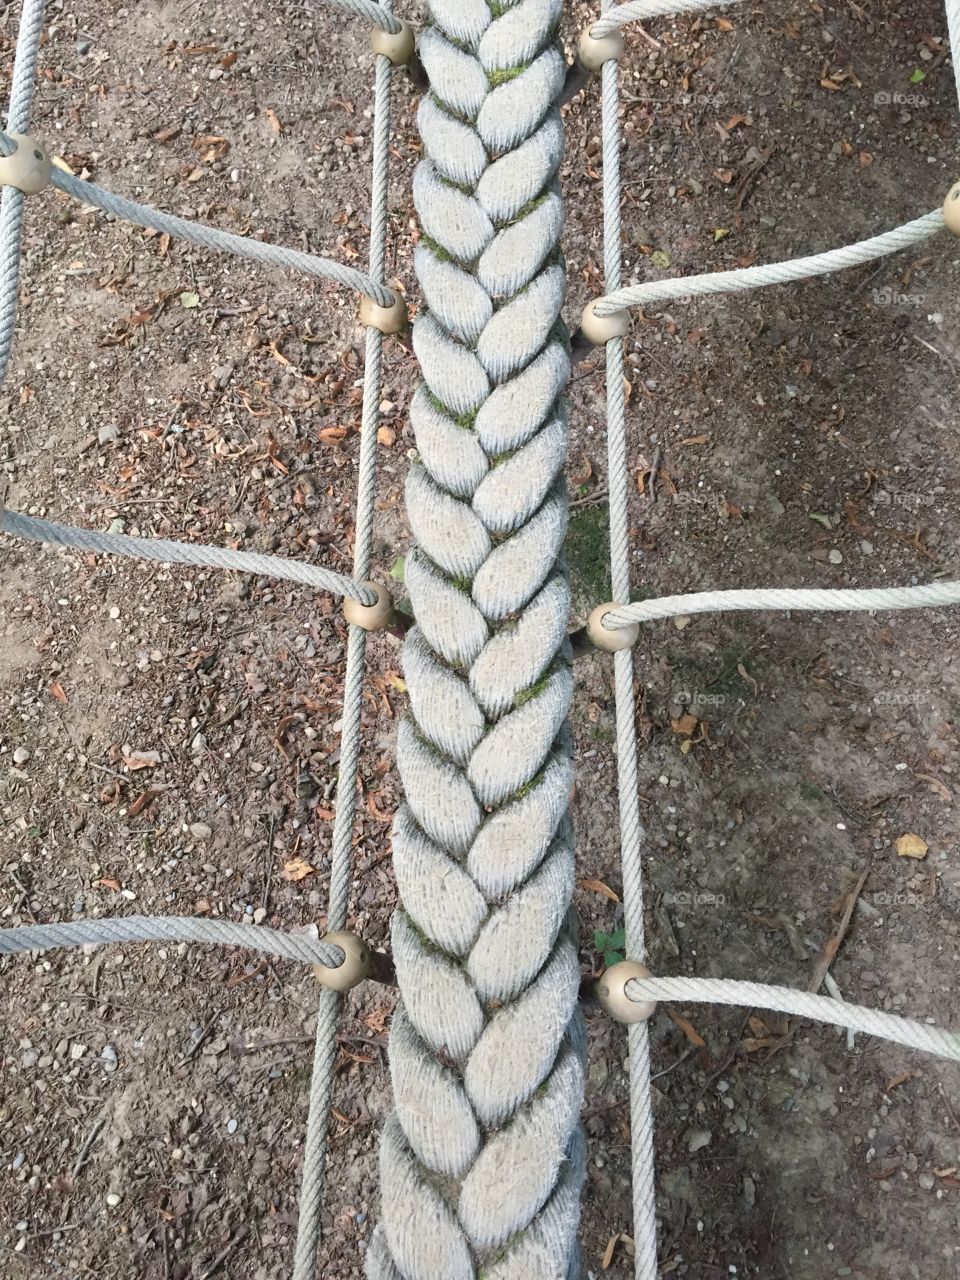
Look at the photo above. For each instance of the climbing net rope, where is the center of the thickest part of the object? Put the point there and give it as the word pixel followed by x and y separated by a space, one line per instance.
pixel 482 1161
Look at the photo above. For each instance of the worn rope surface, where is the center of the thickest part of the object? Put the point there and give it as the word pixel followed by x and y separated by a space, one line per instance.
pixel 167 552
pixel 769 273
pixel 632 834
pixel 800 1004
pixel 931 595
pixel 11 199
pixel 99 932
pixel 482 1162
pixel 341 854
pixel 274 255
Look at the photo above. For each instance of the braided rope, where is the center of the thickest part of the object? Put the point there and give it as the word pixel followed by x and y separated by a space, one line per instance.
pixel 482 1162
pixel 164 551
pixel 11 199
pixel 84 933
pixel 801 1004
pixel 931 595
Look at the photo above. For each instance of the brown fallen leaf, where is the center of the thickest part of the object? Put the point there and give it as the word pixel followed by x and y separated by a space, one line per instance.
pixel 902 1078
pixel 597 886
pixel 58 692
pixel 141 760
pixel 297 869
pixel 608 1253
pixel 911 846
pixel 688 1029
pixel 274 120
pixel 141 803
pixel 685 724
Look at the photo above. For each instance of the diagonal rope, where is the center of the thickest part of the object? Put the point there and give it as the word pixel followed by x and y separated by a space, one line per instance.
pixel 800 1004
pixel 771 273
pixel 11 199
pixel 632 834
pixel 100 932
pixel 378 14
pixel 932 595
pixel 274 255
pixel 617 16
pixel 321 1086
pixel 165 551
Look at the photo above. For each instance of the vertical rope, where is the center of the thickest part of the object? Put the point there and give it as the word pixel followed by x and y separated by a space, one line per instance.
pixel 11 200
pixel 631 829
pixel 321 1087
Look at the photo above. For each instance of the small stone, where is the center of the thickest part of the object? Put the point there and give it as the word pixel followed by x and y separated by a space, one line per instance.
pixel 115 612
pixel 927 1181
pixel 835 557
pixel 259 915
pixel 232 1126
pixel 108 1056
pixel 113 1199
pixel 21 755
pixel 107 434
pixel 697 1139
pixel 30 1058
pixel 866 547
pixel 19 1160
pixel 77 1050
pixel 200 831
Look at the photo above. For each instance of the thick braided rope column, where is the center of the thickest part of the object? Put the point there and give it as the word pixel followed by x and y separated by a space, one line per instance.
pixel 482 1161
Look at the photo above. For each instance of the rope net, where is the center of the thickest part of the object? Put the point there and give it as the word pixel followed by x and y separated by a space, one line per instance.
pixel 487 1048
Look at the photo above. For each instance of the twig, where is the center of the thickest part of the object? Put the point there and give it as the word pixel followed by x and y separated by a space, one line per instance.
pixel 829 952
pixel 84 1152
pixel 654 471
pixel 224 1253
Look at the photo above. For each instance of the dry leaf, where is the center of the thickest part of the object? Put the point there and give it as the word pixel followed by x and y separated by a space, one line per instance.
pixel 274 120
pixel 911 846
pixel 297 869
pixel 141 803
pixel 142 760
pixel 57 690
pixel 688 1029
pixel 686 724
pixel 597 886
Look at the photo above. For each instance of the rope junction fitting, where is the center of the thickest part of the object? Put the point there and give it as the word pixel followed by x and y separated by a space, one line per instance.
pixel 615 997
pixel 27 167
pixel 375 616
pixel 399 47
pixel 951 210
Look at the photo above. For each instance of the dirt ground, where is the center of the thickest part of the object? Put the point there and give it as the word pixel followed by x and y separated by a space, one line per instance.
pixel 152 1102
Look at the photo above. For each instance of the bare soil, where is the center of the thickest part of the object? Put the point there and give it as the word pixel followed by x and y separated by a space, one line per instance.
pixel 152 1102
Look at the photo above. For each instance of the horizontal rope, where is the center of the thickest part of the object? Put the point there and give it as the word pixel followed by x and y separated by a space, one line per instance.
pixel 165 551
pixel 800 1004
pixel 818 264
pixel 645 10
pixel 84 933
pixel 932 595
pixel 211 237
pixel 374 13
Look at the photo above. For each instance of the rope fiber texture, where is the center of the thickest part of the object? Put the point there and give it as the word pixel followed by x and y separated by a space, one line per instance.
pixel 482 1161
pixel 374 13
pixel 166 552
pixel 83 933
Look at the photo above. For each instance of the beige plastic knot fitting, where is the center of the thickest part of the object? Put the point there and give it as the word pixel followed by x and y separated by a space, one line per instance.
pixel 356 963
pixel 28 168
pixel 399 48
pixel 387 319
pixel 371 617
pixel 612 992
pixel 951 209
pixel 594 51
pixel 607 638
pixel 601 329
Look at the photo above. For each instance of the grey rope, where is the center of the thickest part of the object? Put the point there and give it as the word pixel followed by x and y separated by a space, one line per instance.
pixel 11 199
pixel 953 26
pixel 764 274
pixel 800 1004
pixel 932 595
pixel 212 237
pixel 173 929
pixel 167 552
pixel 321 1086
pixel 617 16
pixel 482 1162
pixel 378 14
pixel 632 834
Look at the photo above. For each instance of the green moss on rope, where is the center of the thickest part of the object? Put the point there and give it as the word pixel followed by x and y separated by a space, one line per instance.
pixel 505 75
